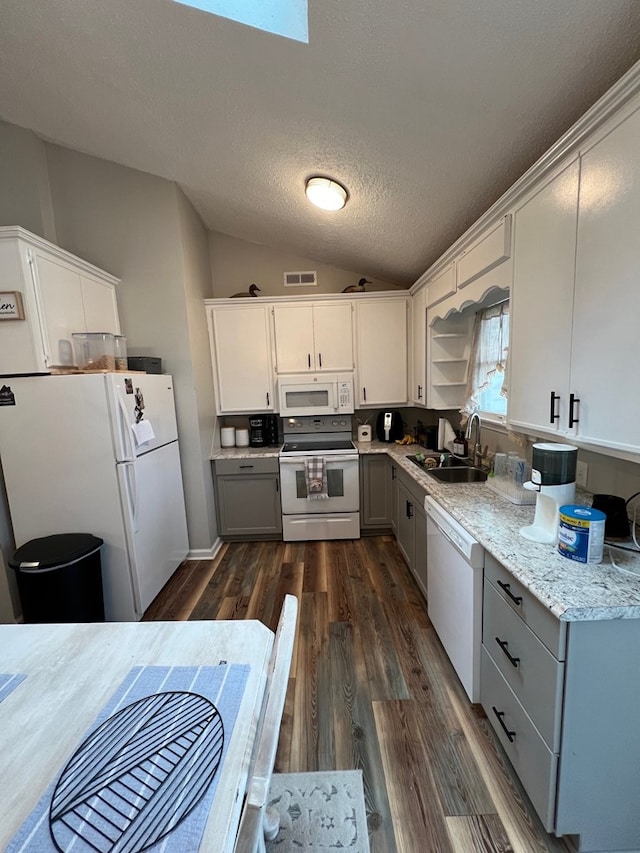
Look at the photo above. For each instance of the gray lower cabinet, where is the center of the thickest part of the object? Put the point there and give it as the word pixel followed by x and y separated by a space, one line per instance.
pixel 248 498
pixel 375 491
pixel 563 699
pixel 411 532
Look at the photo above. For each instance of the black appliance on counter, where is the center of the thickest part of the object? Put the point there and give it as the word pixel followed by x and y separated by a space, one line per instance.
pixel 263 430
pixel 389 426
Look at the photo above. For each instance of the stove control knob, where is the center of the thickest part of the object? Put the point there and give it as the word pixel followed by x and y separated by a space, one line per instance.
pixel 335 423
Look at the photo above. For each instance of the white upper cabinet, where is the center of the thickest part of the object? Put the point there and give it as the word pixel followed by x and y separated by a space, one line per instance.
pixel 542 304
pixel 60 293
pixel 604 344
pixel 381 330
pixel 313 337
pixel 419 347
pixel 241 356
pixel 576 299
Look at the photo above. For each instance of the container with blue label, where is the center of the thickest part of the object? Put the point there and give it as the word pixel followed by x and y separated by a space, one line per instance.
pixel 581 533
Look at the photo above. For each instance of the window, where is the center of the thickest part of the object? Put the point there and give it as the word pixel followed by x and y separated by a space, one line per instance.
pixel 486 385
pixel 287 18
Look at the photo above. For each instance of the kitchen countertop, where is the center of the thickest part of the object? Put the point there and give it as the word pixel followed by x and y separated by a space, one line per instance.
pixel 572 591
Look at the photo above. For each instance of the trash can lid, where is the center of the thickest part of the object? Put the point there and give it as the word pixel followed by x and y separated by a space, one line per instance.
pixel 55 550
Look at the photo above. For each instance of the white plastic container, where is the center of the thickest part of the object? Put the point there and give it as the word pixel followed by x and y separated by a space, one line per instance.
pixel 227 437
pixel 242 438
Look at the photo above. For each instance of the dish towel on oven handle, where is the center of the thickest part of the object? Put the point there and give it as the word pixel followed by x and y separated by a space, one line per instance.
pixel 315 475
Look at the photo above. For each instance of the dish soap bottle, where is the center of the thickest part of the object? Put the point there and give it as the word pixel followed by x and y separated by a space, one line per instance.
pixel 460 444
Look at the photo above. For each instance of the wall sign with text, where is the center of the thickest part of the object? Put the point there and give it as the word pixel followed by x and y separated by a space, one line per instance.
pixel 11 305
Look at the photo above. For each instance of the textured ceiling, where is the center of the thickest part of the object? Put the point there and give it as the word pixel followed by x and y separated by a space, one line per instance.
pixel 427 110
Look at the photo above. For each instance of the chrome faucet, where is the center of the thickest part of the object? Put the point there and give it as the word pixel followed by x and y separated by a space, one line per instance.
pixel 475 448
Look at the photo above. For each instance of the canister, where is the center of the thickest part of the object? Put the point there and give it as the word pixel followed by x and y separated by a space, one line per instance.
pixel 581 533
pixel 227 437
pixel 364 432
pixel 242 438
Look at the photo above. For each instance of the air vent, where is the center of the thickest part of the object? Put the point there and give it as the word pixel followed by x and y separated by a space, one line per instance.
pixel 301 279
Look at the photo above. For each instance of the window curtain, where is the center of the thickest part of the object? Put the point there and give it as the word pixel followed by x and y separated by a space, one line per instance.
pixel 489 347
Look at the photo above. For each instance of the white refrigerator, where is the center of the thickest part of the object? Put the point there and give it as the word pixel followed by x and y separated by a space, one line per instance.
pixel 98 453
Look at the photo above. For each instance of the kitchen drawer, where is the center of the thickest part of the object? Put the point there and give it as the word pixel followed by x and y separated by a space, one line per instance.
pixel 537 677
pixel 247 465
pixel 540 619
pixel 533 761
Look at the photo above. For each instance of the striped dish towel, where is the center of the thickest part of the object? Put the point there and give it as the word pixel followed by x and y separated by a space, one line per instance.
pixel 315 474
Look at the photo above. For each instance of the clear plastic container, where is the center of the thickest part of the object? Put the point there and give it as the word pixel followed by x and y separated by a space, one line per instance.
pixel 94 351
pixel 121 352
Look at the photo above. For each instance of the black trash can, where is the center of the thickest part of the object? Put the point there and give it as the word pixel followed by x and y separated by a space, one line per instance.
pixel 60 578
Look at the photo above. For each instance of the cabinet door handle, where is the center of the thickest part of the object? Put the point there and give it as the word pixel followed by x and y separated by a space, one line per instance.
pixel 393 472
pixel 309 359
pixel 572 418
pixel 320 359
pixel 409 509
pixel 507 588
pixel 500 715
pixel 553 415
pixel 277 485
pixel 364 394
pixel 268 404
pixel 419 392
pixel 504 646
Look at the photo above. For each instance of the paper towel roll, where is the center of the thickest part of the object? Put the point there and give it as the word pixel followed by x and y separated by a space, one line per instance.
pixel 446 435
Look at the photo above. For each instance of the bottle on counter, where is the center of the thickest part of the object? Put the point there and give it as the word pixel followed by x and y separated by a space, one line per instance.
pixel 460 444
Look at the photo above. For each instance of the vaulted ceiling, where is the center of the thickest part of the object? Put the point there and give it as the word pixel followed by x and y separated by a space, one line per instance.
pixel 427 110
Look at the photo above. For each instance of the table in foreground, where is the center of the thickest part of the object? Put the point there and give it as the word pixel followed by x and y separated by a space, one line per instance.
pixel 73 670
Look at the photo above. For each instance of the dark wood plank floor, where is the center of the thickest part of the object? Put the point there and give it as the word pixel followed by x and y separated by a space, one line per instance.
pixel 371 688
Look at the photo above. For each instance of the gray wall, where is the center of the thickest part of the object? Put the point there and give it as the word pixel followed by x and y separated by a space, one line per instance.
pixel 139 227
pixel 235 264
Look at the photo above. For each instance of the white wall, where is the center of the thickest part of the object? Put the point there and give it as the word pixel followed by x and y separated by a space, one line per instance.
pixel 236 264
pixel 132 224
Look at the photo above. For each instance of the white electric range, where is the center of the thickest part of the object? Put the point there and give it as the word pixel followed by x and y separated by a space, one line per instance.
pixel 337 514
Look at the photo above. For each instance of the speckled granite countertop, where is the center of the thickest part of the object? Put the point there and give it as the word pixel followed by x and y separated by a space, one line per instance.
pixel 572 591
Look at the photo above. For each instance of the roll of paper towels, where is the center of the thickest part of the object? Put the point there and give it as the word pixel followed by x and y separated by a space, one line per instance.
pixel 446 435
pixel 227 437
pixel 364 432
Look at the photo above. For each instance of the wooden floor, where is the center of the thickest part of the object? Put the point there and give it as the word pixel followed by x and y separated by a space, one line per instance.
pixel 371 688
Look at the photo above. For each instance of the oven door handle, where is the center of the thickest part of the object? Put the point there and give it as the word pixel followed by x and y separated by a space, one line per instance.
pixel 299 460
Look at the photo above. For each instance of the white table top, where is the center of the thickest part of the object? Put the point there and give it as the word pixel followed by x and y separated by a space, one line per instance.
pixel 72 672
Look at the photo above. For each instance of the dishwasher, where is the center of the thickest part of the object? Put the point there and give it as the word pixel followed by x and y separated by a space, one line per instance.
pixel 455 570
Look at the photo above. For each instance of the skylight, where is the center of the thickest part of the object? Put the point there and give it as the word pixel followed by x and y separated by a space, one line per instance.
pixel 287 18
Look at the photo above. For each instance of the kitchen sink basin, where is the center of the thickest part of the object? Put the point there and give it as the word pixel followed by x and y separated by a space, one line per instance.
pixel 450 462
pixel 458 474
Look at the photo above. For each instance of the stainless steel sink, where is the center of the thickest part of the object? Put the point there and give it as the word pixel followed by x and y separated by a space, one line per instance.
pixel 450 462
pixel 458 474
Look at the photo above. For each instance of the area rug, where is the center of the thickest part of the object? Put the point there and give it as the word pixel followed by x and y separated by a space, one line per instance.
pixel 319 811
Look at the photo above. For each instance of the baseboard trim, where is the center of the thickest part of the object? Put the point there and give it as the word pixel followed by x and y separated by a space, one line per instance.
pixel 205 553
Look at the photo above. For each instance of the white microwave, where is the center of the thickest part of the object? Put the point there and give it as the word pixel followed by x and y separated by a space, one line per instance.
pixel 315 394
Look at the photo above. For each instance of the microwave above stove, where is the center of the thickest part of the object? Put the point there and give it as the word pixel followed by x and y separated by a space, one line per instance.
pixel 315 394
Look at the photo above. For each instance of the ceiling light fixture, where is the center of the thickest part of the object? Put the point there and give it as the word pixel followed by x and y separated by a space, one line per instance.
pixel 326 193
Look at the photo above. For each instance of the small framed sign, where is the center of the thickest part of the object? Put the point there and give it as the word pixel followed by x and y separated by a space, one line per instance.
pixel 11 305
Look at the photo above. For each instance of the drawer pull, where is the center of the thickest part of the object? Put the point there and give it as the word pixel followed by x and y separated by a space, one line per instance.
pixel 507 588
pixel 503 645
pixel 246 466
pixel 500 715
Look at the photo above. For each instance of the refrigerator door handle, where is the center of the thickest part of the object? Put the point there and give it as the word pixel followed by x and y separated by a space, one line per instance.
pixel 132 491
pixel 128 449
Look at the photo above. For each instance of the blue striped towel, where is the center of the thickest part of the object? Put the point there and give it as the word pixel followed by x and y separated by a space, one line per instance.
pixel 142 779
pixel 8 683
